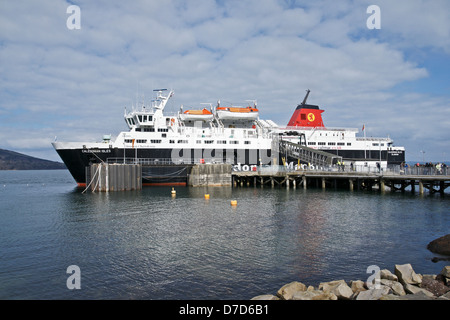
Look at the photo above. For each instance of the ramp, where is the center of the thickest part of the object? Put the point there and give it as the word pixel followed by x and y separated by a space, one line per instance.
pixel 308 155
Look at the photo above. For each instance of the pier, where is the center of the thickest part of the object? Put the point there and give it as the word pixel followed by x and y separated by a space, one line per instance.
pixel 334 177
pixel 133 176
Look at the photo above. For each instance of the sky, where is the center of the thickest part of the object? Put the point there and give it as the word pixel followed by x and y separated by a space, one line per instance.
pixel 57 81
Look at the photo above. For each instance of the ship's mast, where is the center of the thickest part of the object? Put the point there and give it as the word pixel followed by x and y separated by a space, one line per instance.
pixel 160 102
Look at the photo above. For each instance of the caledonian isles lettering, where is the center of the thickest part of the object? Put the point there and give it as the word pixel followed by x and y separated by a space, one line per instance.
pixel 240 309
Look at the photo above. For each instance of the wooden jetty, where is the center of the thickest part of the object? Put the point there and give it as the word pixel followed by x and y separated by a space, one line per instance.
pixel 339 180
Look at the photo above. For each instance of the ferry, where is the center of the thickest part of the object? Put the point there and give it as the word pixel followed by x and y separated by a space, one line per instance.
pixel 168 144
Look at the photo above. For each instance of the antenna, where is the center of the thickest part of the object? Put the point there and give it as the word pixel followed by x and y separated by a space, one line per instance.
pixel 254 102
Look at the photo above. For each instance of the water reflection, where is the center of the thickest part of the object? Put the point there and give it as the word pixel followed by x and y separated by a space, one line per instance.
pixel 149 245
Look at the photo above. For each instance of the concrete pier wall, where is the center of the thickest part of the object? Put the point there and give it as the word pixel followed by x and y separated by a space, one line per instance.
pixel 210 175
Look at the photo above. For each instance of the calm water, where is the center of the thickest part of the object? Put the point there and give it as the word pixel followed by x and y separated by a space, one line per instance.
pixel 147 245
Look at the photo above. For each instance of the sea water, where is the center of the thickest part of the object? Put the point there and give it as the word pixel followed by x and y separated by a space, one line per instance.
pixel 149 244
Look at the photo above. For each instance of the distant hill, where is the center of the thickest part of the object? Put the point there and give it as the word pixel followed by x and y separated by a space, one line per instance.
pixel 10 160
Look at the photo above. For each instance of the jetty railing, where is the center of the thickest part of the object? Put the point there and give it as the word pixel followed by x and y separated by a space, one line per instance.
pixel 268 169
pixel 390 170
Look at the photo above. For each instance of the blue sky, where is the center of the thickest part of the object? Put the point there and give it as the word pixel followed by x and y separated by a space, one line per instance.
pixel 75 84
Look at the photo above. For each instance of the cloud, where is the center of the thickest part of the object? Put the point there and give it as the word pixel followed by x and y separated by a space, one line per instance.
pixel 74 84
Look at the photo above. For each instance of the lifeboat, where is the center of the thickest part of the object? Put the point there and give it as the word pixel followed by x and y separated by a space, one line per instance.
pixel 237 113
pixel 195 115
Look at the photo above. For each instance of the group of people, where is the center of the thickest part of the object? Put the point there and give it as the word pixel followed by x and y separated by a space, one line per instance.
pixel 429 167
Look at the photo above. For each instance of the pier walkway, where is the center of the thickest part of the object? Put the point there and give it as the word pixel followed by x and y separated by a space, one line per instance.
pixel 395 179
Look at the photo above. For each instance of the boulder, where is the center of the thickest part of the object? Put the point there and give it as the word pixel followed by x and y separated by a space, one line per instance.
pixel 417 296
pixel 440 245
pixel 340 288
pixel 412 289
pixel 314 295
pixel 446 271
pixel 287 291
pixel 436 287
pixel 445 296
pixel 395 286
pixel 265 297
pixel 357 286
pixel 406 274
pixel 386 274
pixel 374 294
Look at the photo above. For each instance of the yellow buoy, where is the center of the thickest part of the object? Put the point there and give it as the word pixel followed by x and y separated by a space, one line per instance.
pixel 173 192
pixel 206 196
pixel 233 202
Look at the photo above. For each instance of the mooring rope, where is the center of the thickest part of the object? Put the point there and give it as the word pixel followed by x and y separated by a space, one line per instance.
pixel 92 179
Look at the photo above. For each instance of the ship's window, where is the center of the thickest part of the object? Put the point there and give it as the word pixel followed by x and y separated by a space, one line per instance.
pixel 375 144
pixel 198 141
pixel 138 129
pixel 182 141
pixel 155 141
pixel 163 135
pixel 321 143
pixel 331 143
pixel 128 141
pixel 140 118
pixel 247 142
pixel 171 141
pixel 234 142
pixel 311 143
pixel 222 141
pixel 141 141
pixel 302 116
pixel 349 143
pixel 209 141
pixel 341 144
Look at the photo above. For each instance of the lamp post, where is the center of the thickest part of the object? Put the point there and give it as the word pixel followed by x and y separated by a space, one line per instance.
pixel 423 156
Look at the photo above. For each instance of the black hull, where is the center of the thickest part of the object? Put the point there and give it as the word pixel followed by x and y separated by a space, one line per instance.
pixel 77 160
pixel 392 157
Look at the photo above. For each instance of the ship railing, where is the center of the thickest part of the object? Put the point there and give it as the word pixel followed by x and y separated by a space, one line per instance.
pixel 168 161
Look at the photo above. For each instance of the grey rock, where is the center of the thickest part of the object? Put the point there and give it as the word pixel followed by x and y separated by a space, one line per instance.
pixel 265 297
pixel 287 291
pixel 374 294
pixel 314 295
pixel 340 288
pixel 396 286
pixel 409 288
pixel 446 271
pixel 357 286
pixel 386 274
pixel 406 274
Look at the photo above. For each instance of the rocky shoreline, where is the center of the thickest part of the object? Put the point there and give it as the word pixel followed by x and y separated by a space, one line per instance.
pixel 403 284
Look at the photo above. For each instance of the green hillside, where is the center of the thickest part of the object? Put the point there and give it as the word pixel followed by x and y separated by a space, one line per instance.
pixel 10 160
